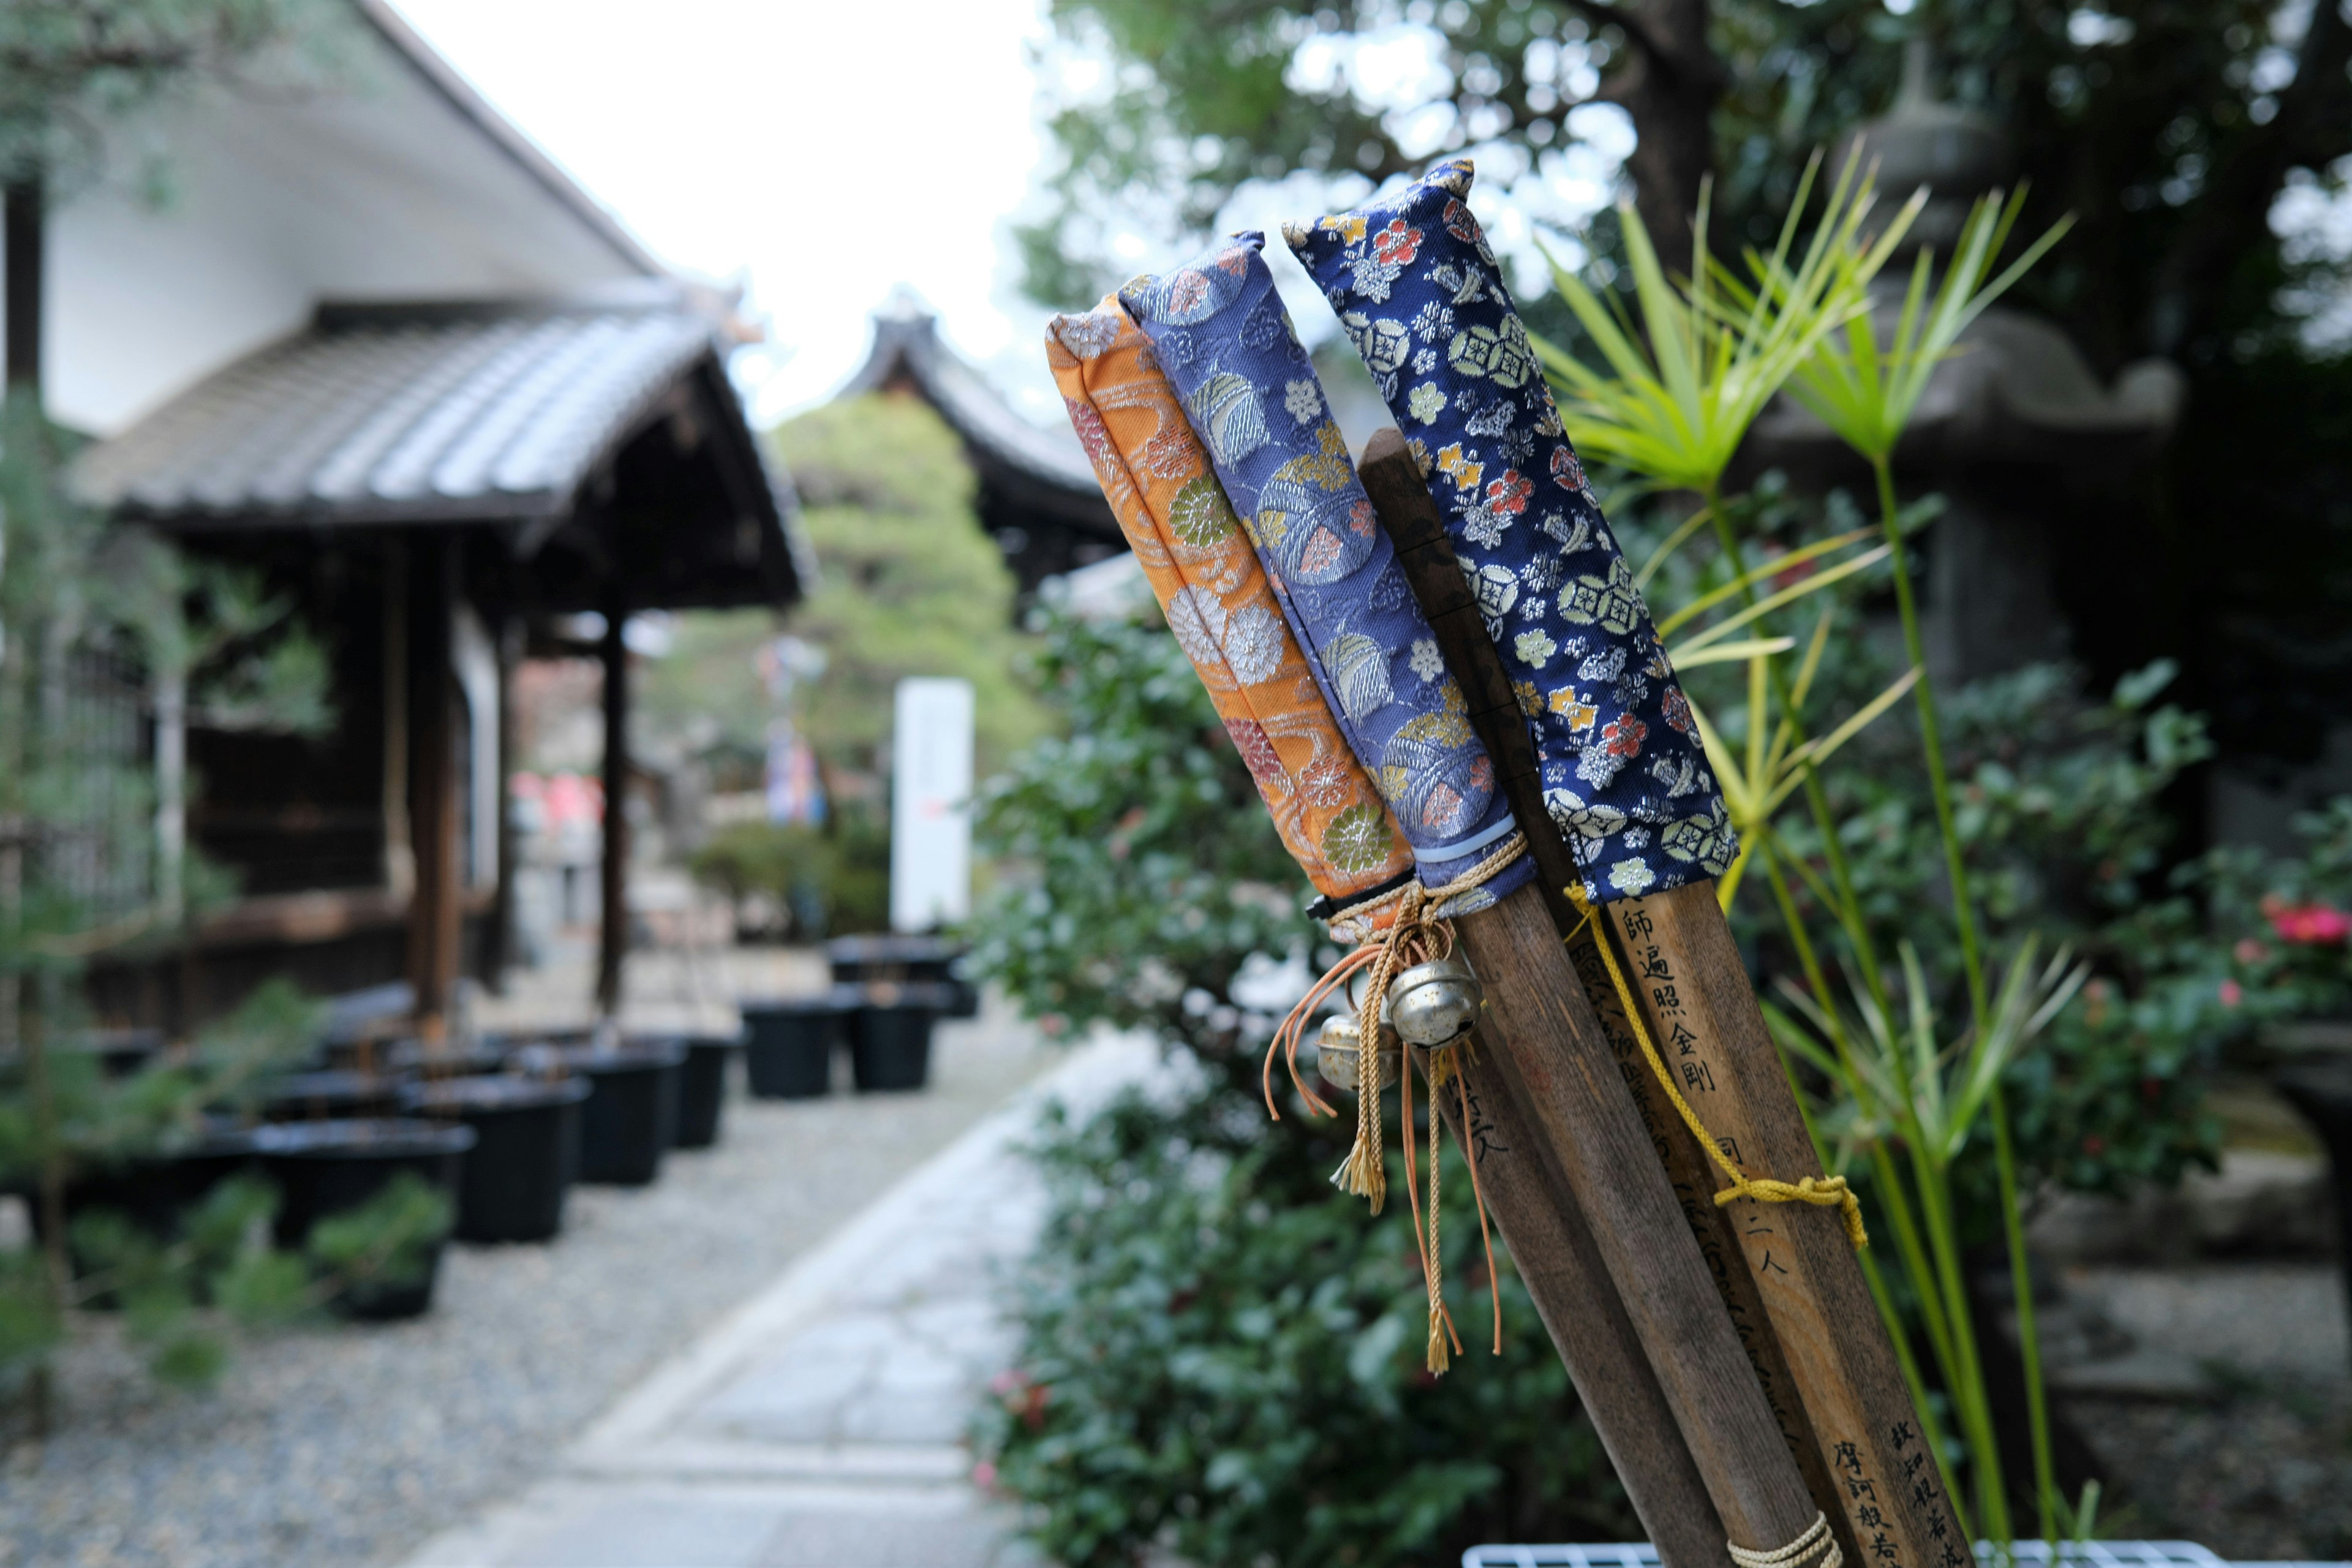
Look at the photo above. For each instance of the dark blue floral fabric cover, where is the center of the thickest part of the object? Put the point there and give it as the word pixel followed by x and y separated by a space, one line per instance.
pixel 1222 336
pixel 1624 773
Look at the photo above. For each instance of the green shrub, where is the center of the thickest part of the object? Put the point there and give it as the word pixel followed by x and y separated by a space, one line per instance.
pixel 826 880
pixel 1221 1358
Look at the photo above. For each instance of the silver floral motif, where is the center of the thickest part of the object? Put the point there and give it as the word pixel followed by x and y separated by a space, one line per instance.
pixel 1199 622
pixel 1253 643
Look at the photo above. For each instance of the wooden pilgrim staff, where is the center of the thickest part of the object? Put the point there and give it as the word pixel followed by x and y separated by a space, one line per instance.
pixel 1620 769
pixel 1410 518
pixel 1332 820
pixel 1251 393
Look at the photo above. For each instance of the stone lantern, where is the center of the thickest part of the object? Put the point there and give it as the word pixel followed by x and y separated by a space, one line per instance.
pixel 2015 431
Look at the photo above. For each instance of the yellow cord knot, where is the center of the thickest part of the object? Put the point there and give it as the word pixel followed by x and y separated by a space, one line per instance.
pixel 1823 1192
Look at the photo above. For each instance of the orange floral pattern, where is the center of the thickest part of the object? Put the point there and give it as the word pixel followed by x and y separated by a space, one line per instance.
pixel 1218 604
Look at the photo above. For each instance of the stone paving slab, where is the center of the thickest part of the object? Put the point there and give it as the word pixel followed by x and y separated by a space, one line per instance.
pixel 821 1424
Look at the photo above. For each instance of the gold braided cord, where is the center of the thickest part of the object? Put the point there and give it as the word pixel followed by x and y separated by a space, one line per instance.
pixel 1823 1192
pixel 1817 1539
pixel 1415 932
pixel 1364 1174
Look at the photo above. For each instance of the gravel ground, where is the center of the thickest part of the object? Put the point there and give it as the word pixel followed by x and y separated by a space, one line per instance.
pixel 349 1445
pixel 2264 1472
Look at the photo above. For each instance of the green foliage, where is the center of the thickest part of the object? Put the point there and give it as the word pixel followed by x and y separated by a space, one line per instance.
pixel 72 69
pixel 388 1240
pixel 705 697
pixel 217 1252
pixel 2290 919
pixel 2059 811
pixel 1139 867
pixel 908 582
pixel 830 880
pixel 1221 1359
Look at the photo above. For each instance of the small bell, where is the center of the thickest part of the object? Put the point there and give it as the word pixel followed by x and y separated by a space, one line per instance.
pixel 1433 1005
pixel 1335 1053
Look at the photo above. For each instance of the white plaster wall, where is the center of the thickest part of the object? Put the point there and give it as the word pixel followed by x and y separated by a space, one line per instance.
pixel 382 189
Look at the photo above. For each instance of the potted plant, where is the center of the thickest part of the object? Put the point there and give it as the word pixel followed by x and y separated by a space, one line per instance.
pixel 702 1088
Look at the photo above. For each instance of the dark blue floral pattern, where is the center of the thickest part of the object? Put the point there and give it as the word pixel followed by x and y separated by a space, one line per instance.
pixel 1624 771
pixel 1227 343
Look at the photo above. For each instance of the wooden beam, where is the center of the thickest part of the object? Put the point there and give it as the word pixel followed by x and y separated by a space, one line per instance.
pixel 498 936
pixel 613 930
pixel 435 915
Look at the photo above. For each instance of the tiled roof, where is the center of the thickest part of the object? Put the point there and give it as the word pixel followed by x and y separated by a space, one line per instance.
pixel 409 413
pixel 1060 480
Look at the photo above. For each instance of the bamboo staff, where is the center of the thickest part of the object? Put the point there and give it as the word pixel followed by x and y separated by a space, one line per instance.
pixel 1826 1359
pixel 1126 411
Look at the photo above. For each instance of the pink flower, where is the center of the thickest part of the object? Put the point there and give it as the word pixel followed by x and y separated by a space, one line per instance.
pixel 1396 245
pixel 2231 993
pixel 983 1475
pixel 2310 925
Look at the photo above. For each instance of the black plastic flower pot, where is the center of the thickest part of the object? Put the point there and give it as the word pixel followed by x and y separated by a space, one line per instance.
pixel 526 1151
pixel 154 1194
pixel 788 1044
pixel 437 1059
pixel 928 960
pixel 631 1113
pixel 328 1168
pixel 333 1094
pixel 703 1089
pixel 891 1036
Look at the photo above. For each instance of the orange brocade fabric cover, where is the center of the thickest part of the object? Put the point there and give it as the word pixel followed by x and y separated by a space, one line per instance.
pixel 1218 604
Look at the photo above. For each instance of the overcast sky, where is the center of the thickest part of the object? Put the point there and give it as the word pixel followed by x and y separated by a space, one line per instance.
pixel 822 153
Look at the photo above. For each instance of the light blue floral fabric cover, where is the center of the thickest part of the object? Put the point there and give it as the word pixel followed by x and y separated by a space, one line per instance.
pixel 1221 335
pixel 1624 773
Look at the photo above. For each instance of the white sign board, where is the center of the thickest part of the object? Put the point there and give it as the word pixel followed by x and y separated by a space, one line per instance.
pixel 930 805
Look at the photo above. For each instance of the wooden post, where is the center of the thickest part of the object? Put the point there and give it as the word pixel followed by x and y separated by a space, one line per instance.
pixel 498 933
pixel 1552 1248
pixel 612 928
pixel 1804 1314
pixel 435 912
pixel 25 258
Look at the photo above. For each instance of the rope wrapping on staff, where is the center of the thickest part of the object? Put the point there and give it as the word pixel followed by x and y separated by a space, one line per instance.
pixel 1816 1539
pixel 1822 1192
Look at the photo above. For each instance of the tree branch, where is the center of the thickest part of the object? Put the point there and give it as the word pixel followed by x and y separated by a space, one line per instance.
pixel 2307 132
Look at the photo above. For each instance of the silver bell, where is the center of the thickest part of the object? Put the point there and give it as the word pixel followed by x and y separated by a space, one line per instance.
pixel 1436 1004
pixel 1335 1053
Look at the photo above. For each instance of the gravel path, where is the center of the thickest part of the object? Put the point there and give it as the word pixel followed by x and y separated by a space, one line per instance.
pixel 349 1445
